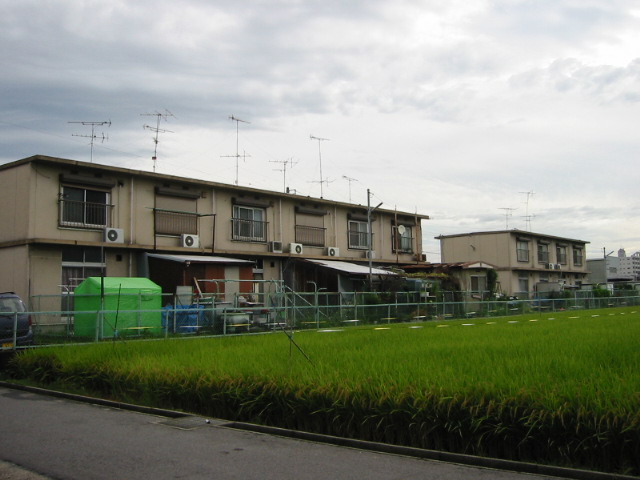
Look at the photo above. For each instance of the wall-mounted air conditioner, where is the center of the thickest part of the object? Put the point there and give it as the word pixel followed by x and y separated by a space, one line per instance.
pixel 295 248
pixel 189 240
pixel 113 235
pixel 275 247
pixel 370 254
pixel 333 252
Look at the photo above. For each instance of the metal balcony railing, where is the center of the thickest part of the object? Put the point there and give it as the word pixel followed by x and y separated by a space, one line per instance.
pixel 80 214
pixel 312 236
pixel 172 222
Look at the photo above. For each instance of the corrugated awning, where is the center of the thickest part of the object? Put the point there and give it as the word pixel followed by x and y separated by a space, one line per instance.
pixel 199 259
pixel 350 268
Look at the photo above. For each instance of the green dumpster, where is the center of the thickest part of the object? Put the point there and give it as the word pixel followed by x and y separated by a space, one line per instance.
pixel 132 306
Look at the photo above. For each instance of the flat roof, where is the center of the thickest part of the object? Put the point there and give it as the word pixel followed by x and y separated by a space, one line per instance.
pixel 195 181
pixel 515 231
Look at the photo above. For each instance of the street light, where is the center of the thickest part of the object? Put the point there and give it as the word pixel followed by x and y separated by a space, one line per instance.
pixel 370 235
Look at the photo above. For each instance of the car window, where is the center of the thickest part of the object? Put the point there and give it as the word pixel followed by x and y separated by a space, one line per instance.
pixel 11 304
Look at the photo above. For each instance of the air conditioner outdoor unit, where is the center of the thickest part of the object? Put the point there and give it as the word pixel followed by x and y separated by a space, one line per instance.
pixel 551 266
pixel 275 247
pixel 295 248
pixel 333 251
pixel 113 235
pixel 558 266
pixel 189 240
pixel 370 254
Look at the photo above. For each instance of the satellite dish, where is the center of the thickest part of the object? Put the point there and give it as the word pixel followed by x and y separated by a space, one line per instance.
pixel 401 229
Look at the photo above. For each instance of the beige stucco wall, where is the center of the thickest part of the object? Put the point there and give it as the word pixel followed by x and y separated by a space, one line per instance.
pixel 15 265
pixel 14 198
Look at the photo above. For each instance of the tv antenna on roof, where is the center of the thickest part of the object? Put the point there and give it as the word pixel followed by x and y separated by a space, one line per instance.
pixel 237 155
pixel 284 164
pixel 507 214
pixel 320 140
pixel 528 217
pixel 349 179
pixel 93 135
pixel 157 130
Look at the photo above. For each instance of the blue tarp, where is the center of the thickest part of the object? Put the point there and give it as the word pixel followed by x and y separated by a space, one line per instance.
pixel 184 318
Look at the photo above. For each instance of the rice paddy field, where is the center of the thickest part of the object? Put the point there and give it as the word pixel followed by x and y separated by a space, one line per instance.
pixel 561 389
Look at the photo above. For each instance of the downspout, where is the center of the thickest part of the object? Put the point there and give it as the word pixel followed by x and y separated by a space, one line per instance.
pixel 131 225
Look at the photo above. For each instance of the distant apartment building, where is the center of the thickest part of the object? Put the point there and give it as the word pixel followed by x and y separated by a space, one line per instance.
pixel 64 220
pixel 523 260
pixel 629 265
pixel 612 268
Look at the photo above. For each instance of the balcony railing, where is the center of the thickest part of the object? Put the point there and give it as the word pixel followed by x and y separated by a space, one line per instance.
pixel 312 236
pixel 80 214
pixel 249 230
pixel 172 222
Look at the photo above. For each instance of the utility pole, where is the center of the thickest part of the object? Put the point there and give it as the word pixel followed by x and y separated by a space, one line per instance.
pixel 370 237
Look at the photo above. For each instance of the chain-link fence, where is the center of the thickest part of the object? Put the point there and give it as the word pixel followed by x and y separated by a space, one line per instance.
pixel 68 319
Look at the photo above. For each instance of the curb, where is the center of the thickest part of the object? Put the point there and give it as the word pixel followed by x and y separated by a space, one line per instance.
pixel 459 458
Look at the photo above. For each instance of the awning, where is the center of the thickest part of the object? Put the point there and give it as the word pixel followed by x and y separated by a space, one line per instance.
pixel 350 268
pixel 200 259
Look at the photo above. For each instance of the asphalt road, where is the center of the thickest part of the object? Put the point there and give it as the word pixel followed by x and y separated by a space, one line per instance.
pixel 67 439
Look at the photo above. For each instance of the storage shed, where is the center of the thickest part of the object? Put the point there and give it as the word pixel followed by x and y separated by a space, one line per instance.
pixel 131 306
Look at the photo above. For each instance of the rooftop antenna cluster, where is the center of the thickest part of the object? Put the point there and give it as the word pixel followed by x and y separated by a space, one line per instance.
pixel 237 155
pixel 157 130
pixel 320 140
pixel 528 217
pixel 507 214
pixel 349 179
pixel 284 164
pixel 102 137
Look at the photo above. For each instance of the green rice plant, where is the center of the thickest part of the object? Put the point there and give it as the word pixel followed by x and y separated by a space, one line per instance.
pixel 561 389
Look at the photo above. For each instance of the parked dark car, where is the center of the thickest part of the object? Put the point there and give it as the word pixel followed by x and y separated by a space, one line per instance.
pixel 13 313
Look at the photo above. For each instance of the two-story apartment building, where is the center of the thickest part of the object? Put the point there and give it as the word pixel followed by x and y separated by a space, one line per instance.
pixel 62 221
pixel 523 260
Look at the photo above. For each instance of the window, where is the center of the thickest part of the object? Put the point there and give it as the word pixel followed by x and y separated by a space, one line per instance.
pixel 522 250
pixel 79 263
pixel 84 208
pixel 561 254
pixel 402 239
pixel 543 252
pixel 248 224
pixel 577 256
pixel 523 284
pixel 310 228
pixel 358 234
pixel 478 283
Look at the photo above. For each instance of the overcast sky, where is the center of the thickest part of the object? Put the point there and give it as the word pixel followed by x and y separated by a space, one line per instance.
pixel 484 115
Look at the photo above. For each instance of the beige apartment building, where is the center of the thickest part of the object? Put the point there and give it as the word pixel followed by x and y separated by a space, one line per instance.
pixel 63 221
pixel 524 261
